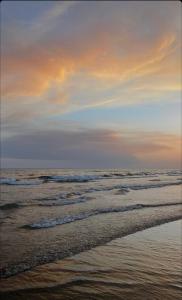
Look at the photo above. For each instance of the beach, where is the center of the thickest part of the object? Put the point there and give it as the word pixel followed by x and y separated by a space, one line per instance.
pixel 144 265
pixel 90 234
pixel 48 215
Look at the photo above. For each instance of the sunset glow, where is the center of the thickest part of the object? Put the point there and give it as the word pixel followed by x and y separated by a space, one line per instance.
pixel 91 84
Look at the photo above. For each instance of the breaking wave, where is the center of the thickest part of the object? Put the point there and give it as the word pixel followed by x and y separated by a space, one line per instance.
pixel 45 179
pixel 35 180
pixel 72 178
pixel 14 181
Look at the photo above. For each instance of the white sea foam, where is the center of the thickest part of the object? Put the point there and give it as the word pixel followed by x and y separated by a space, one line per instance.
pixel 86 178
pixel 47 223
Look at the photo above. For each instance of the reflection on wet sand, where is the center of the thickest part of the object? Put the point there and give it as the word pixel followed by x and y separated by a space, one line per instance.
pixel 144 265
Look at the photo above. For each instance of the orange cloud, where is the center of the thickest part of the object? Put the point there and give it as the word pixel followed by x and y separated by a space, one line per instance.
pixel 110 61
pixel 31 70
pixel 160 149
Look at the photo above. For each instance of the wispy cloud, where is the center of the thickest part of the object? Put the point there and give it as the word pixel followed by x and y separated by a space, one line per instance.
pixel 31 68
pixel 79 55
pixel 46 22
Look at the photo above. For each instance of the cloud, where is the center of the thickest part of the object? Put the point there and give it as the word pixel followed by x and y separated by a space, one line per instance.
pixel 95 148
pixel 76 55
pixel 49 17
pixel 115 50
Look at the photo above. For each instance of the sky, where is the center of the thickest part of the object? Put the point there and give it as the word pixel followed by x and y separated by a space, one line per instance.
pixel 91 84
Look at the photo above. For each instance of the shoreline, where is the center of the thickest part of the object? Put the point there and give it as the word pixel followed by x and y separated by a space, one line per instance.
pixel 137 227
pixel 138 257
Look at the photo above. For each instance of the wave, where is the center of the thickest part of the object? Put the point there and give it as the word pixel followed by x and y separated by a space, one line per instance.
pixel 14 181
pixel 47 223
pixel 69 199
pixel 45 179
pixel 174 173
pixel 72 178
pixel 34 180
pixel 150 186
pixel 63 202
pixel 87 178
pixel 128 187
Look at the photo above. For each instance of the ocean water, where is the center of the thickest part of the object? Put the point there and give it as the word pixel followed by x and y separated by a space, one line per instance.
pixel 48 216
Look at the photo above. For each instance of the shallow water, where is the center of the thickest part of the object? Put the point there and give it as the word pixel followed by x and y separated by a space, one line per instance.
pixel 144 265
pixel 51 214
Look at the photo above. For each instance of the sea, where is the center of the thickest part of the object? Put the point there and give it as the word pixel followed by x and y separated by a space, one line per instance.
pixel 90 234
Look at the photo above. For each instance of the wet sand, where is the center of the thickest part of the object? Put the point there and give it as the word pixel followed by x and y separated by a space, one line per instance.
pixel 144 265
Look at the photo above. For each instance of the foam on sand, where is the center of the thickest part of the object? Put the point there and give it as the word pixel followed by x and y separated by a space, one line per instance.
pixel 47 223
pixel 84 235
